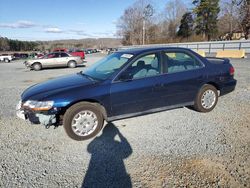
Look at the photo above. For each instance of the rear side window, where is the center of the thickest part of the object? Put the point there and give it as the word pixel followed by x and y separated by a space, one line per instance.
pixel 64 55
pixel 179 61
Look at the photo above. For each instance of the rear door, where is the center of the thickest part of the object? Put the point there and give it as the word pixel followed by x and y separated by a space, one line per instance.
pixel 183 76
pixel 133 90
pixel 51 60
pixel 63 59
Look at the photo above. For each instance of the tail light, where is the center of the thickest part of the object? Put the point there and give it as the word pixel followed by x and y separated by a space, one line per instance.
pixel 231 71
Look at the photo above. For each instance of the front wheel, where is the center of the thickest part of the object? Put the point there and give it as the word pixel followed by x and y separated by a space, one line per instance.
pixel 71 64
pixel 37 66
pixel 83 121
pixel 6 60
pixel 206 99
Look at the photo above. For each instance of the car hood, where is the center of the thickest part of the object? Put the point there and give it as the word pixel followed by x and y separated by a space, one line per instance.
pixel 44 89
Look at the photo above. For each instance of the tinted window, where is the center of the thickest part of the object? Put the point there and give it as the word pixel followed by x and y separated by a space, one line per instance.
pixel 56 55
pixel 179 61
pixel 64 55
pixel 146 66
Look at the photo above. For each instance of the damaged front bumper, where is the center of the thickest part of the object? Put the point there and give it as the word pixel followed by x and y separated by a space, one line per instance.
pixel 46 118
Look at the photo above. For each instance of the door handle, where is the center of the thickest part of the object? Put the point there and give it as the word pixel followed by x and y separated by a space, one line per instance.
pixel 160 85
pixel 157 87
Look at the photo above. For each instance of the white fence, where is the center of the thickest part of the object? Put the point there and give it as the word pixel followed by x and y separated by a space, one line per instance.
pixel 208 47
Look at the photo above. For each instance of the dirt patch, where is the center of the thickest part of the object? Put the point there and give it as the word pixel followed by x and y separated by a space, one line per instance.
pixel 186 173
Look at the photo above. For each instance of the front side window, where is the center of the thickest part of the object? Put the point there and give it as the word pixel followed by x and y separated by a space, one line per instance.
pixel 104 68
pixel 145 66
pixel 180 61
pixel 52 55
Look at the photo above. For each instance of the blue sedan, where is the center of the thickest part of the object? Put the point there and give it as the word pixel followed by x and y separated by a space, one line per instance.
pixel 125 84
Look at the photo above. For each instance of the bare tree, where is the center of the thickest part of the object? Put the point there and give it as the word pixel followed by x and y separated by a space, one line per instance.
pixel 245 17
pixel 174 11
pixel 130 25
pixel 228 21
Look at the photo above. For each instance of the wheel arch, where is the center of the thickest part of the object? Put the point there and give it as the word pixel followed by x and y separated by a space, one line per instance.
pixel 93 101
pixel 37 62
pixel 215 85
pixel 71 60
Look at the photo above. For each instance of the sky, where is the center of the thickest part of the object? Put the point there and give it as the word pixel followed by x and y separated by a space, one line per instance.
pixel 62 19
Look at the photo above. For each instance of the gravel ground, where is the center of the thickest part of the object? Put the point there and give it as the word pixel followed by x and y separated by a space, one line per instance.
pixel 177 148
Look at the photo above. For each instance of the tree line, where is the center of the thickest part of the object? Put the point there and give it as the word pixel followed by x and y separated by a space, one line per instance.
pixel 16 45
pixel 204 20
pixel 45 46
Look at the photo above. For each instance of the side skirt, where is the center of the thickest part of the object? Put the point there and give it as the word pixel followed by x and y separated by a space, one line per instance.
pixel 113 118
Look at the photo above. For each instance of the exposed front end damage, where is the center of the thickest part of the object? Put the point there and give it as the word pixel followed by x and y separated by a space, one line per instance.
pixel 46 118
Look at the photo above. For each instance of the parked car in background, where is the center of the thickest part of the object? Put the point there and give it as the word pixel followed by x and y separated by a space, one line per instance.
pixel 18 56
pixel 40 55
pixel 79 53
pixel 89 51
pixel 126 84
pixel 54 59
pixel 112 50
pixel 36 55
pixel 74 52
pixel 60 50
pixel 6 58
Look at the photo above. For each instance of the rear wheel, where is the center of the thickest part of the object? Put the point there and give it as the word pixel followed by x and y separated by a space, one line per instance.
pixel 206 99
pixel 83 121
pixel 71 64
pixel 37 66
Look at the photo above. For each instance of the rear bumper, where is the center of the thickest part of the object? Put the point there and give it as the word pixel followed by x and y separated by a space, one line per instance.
pixel 228 87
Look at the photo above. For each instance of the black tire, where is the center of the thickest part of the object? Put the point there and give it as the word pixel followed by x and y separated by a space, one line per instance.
pixel 199 105
pixel 37 66
pixel 72 64
pixel 73 111
pixel 6 60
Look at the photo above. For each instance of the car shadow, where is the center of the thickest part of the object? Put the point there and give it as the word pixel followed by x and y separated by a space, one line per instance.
pixel 106 167
pixel 51 68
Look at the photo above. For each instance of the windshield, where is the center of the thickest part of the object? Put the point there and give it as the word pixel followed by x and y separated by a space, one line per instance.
pixel 104 68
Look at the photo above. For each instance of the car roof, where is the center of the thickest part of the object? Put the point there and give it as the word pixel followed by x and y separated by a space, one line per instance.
pixel 58 52
pixel 136 51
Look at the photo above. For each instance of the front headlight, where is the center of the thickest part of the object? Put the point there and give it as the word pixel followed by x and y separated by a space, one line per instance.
pixel 39 105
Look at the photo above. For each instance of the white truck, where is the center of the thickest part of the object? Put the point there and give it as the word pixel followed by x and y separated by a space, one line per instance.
pixel 6 58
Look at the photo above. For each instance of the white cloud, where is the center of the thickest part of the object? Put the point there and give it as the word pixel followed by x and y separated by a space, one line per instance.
pixel 19 24
pixel 53 30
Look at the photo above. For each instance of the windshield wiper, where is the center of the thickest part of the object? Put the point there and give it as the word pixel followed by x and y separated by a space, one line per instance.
pixel 87 76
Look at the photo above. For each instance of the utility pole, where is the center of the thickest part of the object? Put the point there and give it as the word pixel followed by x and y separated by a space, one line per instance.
pixel 143 31
pixel 147 12
pixel 232 4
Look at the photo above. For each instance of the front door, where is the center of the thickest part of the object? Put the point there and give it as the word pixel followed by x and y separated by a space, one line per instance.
pixel 133 90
